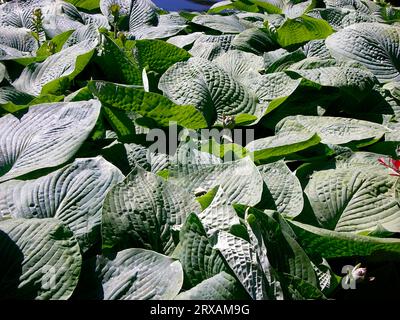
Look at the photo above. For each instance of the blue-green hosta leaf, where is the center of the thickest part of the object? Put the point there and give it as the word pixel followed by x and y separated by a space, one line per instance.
pixel 3 73
pixel 331 244
pixel 168 25
pixel 302 29
pixel 284 260
pixel 143 211
pixel 219 215
pixel 97 19
pixel 60 16
pixel 239 64
pixel 16 43
pixel 73 194
pixel 124 9
pixel 317 49
pixel 284 187
pixel 225 24
pixel 56 71
pixel 185 40
pixel 40 260
pixel 200 261
pixel 210 47
pixel 336 130
pixel 147 104
pixel 366 7
pixel 138 274
pixel 240 179
pixel 352 80
pixel 84 32
pixel 209 88
pixel 354 199
pixel 341 18
pixel 272 86
pixel 222 286
pixel 242 259
pixel 374 45
pixel 255 40
pixel 47 135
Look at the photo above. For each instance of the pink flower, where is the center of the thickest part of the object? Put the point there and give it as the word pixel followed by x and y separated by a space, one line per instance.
pixel 394 165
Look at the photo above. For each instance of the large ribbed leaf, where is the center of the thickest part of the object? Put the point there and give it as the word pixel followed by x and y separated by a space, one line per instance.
pixel 283 258
pixel 138 274
pixel 209 46
pixel 374 45
pixel 199 259
pixel 242 259
pixel 222 286
pixel 336 130
pixel 219 215
pixel 16 43
pixel 40 259
pixel 209 88
pixel 47 135
pixel 351 80
pixel 148 104
pixel 143 211
pixel 224 24
pixel 240 179
pixel 354 199
pixel 73 194
pixel 55 73
pixel 284 187
pixel 168 25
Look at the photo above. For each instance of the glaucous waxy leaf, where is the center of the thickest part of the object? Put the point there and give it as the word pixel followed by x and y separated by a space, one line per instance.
pixel 219 215
pixel 374 45
pixel 225 24
pixel 240 179
pixel 138 274
pixel 209 88
pixel 354 199
pixel 40 259
pixel 144 211
pixel 242 259
pixel 212 46
pixel 45 136
pixel 336 130
pixel 55 73
pixel 73 194
pixel 283 259
pixel 284 187
pixel 16 43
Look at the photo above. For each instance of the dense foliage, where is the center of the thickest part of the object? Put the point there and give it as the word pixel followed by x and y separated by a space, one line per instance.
pixel 305 210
